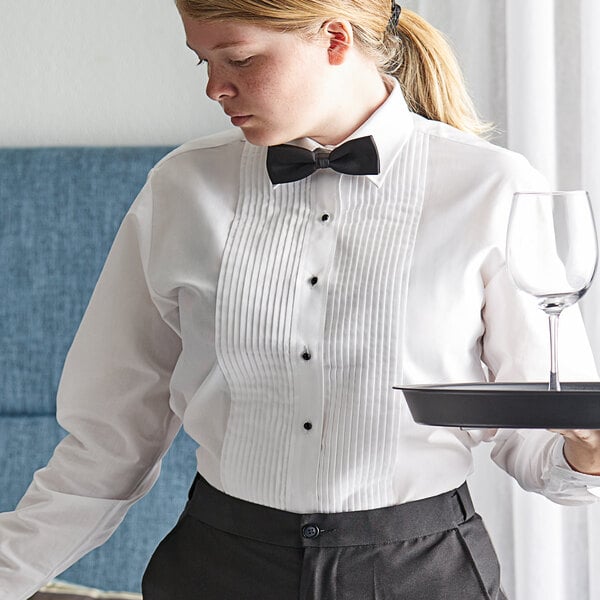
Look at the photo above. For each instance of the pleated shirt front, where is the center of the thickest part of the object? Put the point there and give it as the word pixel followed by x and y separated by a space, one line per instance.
pixel 310 307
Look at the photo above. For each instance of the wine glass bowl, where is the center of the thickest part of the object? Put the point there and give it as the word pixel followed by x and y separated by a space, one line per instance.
pixel 552 253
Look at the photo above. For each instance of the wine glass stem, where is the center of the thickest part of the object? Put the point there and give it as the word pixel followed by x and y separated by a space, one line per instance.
pixel 554 381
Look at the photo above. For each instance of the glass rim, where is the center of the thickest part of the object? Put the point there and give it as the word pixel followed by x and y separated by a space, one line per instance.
pixel 552 193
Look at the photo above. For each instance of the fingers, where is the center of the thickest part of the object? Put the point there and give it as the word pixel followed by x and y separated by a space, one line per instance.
pixel 577 434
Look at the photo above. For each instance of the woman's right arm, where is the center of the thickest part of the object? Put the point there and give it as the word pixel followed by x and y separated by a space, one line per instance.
pixel 113 400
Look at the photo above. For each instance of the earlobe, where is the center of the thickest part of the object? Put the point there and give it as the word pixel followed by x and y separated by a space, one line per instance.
pixel 340 39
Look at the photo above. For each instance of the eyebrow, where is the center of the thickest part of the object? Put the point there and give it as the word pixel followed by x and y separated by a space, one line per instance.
pixel 221 46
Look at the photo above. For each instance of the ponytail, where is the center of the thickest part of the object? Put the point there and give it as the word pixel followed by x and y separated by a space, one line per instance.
pixel 432 82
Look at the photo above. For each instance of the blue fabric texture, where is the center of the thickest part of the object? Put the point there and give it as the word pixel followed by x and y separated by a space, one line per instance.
pixel 60 209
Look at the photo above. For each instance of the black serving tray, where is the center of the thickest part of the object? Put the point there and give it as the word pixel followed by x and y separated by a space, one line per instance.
pixel 513 405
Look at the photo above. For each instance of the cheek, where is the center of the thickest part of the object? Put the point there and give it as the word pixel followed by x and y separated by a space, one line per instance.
pixel 285 85
pixel 262 88
pixel 270 95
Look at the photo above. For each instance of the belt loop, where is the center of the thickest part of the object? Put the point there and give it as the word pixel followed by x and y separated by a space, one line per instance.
pixel 461 506
pixel 463 499
pixel 193 487
pixel 190 495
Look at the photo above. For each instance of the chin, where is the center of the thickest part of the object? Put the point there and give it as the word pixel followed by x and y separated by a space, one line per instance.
pixel 259 137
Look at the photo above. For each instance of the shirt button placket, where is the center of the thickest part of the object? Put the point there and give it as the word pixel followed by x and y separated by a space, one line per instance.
pixel 306 355
pixel 310 307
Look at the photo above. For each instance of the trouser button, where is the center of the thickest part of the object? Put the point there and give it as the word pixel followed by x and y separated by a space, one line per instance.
pixel 310 531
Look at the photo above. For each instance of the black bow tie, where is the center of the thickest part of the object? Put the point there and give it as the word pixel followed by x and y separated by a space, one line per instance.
pixel 286 163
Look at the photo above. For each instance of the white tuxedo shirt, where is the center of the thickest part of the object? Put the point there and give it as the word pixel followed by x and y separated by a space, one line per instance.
pixel 273 321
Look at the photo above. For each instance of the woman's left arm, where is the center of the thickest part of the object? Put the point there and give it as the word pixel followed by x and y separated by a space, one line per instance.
pixel 562 465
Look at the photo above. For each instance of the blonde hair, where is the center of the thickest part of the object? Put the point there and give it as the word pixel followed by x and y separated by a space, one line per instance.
pixel 430 77
pixel 415 53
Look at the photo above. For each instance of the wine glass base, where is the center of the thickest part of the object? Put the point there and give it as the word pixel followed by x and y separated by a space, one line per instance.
pixel 554 385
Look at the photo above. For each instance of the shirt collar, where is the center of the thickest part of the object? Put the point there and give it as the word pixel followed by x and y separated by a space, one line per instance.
pixel 390 125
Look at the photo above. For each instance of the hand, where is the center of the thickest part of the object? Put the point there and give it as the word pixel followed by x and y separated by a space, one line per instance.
pixel 582 449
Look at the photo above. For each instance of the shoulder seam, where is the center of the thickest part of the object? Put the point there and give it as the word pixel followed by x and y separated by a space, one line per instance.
pixel 484 146
pixel 202 143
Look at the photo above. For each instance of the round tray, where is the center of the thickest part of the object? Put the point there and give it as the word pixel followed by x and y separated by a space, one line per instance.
pixel 514 405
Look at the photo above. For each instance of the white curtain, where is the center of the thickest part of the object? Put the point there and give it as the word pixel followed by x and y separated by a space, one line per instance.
pixel 533 67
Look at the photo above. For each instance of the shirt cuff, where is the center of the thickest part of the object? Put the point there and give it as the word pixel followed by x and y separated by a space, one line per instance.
pixel 564 479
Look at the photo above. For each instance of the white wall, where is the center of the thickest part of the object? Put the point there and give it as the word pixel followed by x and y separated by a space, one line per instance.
pixel 117 72
pixel 99 72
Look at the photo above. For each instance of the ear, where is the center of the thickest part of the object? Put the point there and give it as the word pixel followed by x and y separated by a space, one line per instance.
pixel 340 39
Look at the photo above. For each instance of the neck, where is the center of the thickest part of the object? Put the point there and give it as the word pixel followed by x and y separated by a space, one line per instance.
pixel 355 106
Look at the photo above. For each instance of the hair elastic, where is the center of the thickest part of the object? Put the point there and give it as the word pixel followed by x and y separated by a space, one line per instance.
pixel 395 17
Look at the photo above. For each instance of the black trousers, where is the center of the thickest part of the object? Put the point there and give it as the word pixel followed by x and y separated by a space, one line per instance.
pixel 224 548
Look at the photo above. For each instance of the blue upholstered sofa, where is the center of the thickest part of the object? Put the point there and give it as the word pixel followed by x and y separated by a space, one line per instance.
pixel 59 211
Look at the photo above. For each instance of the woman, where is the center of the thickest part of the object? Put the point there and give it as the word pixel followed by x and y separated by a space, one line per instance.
pixel 269 297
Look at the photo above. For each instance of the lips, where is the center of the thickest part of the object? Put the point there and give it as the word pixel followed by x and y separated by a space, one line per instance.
pixel 239 120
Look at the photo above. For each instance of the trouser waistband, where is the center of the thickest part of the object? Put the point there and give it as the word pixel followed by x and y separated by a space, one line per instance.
pixel 356 528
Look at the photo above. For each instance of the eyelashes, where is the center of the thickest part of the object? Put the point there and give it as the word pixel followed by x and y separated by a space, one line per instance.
pixel 235 63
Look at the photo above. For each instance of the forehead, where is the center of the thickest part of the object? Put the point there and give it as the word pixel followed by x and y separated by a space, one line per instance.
pixel 215 35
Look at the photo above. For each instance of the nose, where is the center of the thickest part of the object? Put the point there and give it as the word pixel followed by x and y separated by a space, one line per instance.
pixel 219 86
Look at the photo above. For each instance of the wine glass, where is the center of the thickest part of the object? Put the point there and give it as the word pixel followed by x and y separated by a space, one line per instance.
pixel 552 254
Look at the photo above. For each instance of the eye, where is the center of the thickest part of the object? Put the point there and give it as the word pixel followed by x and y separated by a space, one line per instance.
pixel 242 63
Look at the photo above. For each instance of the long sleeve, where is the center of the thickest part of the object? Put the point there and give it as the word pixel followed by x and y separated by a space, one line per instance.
pixel 516 348
pixel 113 400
